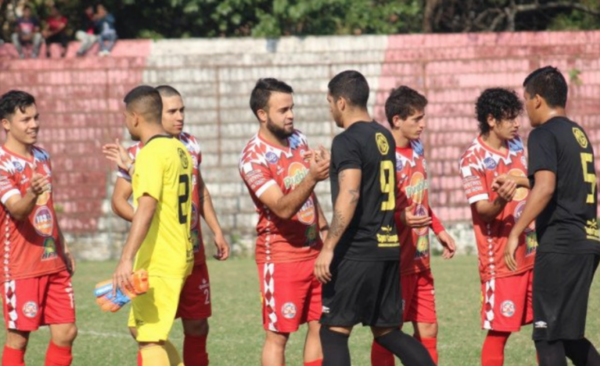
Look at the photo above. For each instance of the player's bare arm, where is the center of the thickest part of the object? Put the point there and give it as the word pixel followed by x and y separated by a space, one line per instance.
pixel 286 206
pixel 343 211
pixel 68 258
pixel 120 199
pixel 323 224
pixel 139 229
pixel 489 210
pixel 522 182
pixel 19 206
pixel 540 196
pixel 210 217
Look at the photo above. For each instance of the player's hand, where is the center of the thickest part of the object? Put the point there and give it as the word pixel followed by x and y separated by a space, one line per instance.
pixel 318 170
pixel 323 154
pixel 499 181
pixel 122 277
pixel 222 248
pixel 507 190
pixel 411 220
pixel 117 154
pixel 509 252
pixel 70 262
pixel 39 184
pixel 448 244
pixel 322 265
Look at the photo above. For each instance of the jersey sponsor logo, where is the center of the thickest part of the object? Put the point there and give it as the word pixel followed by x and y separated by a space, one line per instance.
pixel 49 249
pixel 183 158
pixel 296 173
pixel 490 163
pixel 30 309
pixel 521 193
pixel 422 247
pixel 43 199
pixel 311 235
pixel 591 229
pixel 18 166
pixel 387 238
pixel 507 308
pixel 382 143
pixel 420 210
pixel 580 137
pixel 399 165
pixel 306 215
pixel 271 157
pixel 418 185
pixel 288 310
pixel 43 221
pixel 540 324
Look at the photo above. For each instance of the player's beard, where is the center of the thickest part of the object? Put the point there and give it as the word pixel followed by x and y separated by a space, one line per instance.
pixel 279 132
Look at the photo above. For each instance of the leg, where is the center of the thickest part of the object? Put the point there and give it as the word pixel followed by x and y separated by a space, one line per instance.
pixel 405 347
pixel 17 43
pixel 152 354
pixel 112 39
pixel 313 353
pixel 194 343
pixel 14 349
pixel 334 341
pixel 37 44
pixel 64 42
pixel 273 353
pixel 551 353
pixel 492 353
pixel 61 343
pixel 426 333
pixel 582 352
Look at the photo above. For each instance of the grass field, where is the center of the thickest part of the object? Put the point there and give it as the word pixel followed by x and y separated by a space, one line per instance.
pixel 236 333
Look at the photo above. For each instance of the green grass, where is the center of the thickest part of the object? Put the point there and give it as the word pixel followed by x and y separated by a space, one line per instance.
pixel 236 333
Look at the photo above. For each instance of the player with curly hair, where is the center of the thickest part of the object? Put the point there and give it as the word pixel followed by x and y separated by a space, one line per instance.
pixel 498 150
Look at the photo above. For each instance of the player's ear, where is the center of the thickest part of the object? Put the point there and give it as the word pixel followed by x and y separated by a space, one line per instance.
pixel 262 115
pixel 491 121
pixel 538 101
pixel 341 103
pixel 396 121
pixel 5 124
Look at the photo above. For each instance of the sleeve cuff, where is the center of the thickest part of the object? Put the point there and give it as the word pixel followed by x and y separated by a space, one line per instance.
pixel 479 197
pixel 264 187
pixel 8 195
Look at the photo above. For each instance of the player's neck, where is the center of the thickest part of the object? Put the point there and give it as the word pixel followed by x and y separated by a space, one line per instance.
pixel 551 113
pixel 272 139
pixel 358 116
pixel 18 148
pixel 493 141
pixel 151 131
pixel 401 141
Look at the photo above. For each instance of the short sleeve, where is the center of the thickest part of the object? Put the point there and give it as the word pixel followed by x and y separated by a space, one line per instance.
pixel 473 180
pixel 542 152
pixel 257 176
pixel 8 185
pixel 149 174
pixel 345 153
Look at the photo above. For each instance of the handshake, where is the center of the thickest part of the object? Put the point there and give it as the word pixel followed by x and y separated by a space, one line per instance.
pixel 110 300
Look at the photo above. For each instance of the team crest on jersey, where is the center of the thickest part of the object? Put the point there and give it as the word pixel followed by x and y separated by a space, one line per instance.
pixel 580 137
pixel 507 308
pixel 43 222
pixel 183 157
pixel 195 239
pixel 271 157
pixel 490 163
pixel 49 249
pixel 382 143
pixel 18 166
pixel 421 231
pixel 311 235
pixel 30 309
pixel 288 310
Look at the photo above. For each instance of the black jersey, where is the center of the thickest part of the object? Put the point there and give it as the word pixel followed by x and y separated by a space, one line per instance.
pixel 371 234
pixel 569 223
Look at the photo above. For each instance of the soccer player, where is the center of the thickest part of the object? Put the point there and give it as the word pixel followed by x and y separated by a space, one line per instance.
pixel 359 262
pixel 563 202
pixel 195 302
pixel 37 263
pixel 405 112
pixel 159 238
pixel 498 150
pixel 281 173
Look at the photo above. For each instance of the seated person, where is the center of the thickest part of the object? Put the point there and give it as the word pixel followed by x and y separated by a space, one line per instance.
pixel 27 31
pixel 56 31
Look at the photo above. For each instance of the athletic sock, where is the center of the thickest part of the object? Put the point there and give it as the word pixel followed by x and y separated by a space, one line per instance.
pixel 582 352
pixel 58 356
pixel 314 363
pixel 492 353
pixel 406 348
pixel 194 351
pixel 154 355
pixel 551 353
pixel 381 356
pixel 335 348
pixel 13 357
pixel 174 358
pixel 431 346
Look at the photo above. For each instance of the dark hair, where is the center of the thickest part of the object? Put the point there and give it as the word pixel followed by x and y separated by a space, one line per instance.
pixel 13 100
pixel 548 83
pixel 167 91
pixel 259 99
pixel 404 102
pixel 145 100
pixel 499 103
pixel 352 86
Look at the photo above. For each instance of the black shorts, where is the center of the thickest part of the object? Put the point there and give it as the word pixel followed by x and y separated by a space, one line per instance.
pixel 561 288
pixel 363 292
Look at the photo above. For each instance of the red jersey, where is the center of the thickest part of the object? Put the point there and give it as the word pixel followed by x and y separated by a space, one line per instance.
pixel 32 247
pixel 479 165
pixel 262 166
pixel 55 24
pixel 193 148
pixel 413 186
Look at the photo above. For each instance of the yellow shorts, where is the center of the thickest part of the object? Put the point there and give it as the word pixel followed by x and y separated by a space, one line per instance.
pixel 154 312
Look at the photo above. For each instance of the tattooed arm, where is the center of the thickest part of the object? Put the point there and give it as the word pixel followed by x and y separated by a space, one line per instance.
pixel 343 211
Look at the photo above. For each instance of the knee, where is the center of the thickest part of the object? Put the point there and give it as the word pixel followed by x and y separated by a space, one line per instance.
pixel 17 340
pixel 426 330
pixel 66 336
pixel 195 327
pixel 276 339
pixel 15 38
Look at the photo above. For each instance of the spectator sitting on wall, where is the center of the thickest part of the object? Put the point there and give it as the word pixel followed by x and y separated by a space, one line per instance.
pixel 56 31
pixel 86 35
pixel 27 31
pixel 105 25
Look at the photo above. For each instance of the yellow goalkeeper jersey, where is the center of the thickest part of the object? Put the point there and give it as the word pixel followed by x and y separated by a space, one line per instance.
pixel 163 170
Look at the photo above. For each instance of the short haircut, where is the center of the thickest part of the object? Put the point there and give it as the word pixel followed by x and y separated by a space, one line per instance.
pixel 352 86
pixel 167 91
pixel 548 83
pixel 13 100
pixel 404 102
pixel 145 100
pixel 499 103
pixel 259 99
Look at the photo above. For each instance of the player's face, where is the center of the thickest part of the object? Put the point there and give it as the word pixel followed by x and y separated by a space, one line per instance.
pixel 412 127
pixel 280 115
pixel 131 125
pixel 506 129
pixel 530 108
pixel 173 115
pixel 336 114
pixel 23 126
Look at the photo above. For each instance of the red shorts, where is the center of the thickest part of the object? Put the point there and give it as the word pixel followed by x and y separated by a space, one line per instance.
pixel 507 302
pixel 291 295
pixel 418 297
pixel 32 302
pixel 194 301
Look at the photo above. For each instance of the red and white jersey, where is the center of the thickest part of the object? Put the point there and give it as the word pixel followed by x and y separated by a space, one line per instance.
pixel 32 247
pixel 262 166
pixel 479 165
pixel 413 187
pixel 193 148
